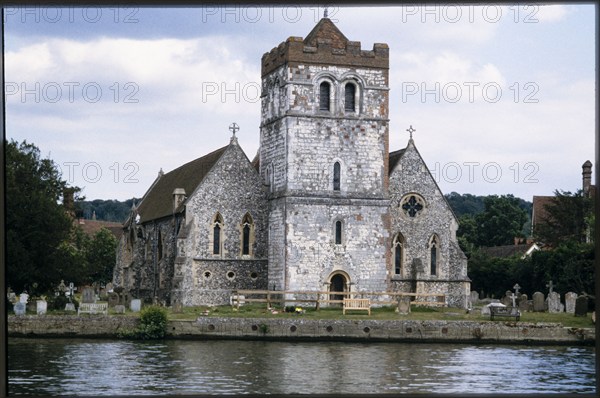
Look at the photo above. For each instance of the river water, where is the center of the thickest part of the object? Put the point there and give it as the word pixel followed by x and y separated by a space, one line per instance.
pixel 118 367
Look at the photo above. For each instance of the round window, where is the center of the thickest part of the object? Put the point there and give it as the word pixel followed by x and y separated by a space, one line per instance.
pixel 412 205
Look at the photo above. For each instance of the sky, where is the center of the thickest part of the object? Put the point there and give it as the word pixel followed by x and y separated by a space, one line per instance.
pixel 501 97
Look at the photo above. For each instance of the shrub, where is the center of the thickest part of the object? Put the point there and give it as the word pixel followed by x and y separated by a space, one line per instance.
pixel 153 325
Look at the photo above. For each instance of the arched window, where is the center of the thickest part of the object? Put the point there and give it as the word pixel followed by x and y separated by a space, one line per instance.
pixel 338 232
pixel 398 249
pixel 324 94
pixel 217 233
pixel 433 254
pixel 349 97
pixel 247 234
pixel 336 176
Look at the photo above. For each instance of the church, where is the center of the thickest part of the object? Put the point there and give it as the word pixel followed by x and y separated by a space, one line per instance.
pixel 324 205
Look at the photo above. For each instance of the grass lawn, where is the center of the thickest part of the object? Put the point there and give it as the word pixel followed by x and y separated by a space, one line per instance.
pixel 417 313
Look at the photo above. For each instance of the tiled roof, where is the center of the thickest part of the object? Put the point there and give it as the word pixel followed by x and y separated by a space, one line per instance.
pixel 327 30
pixel 507 251
pixel 91 227
pixel 158 201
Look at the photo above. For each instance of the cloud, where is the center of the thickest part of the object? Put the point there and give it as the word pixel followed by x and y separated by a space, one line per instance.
pixel 549 13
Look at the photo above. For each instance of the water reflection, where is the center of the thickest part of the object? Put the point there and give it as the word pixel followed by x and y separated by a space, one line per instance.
pixel 102 367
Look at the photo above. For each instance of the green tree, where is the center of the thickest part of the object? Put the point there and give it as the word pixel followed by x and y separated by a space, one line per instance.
pixel 36 223
pixel 500 222
pixel 100 256
pixel 467 234
pixel 568 218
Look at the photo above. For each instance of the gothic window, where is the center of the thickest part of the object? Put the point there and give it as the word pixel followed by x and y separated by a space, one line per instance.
pixel 398 249
pixel 247 234
pixel 336 176
pixel 217 233
pixel 433 254
pixel 349 97
pixel 338 232
pixel 324 94
pixel 412 205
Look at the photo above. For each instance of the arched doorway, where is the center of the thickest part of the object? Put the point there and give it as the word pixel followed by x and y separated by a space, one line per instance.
pixel 338 282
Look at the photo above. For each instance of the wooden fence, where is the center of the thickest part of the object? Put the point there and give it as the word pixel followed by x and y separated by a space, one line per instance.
pixel 271 297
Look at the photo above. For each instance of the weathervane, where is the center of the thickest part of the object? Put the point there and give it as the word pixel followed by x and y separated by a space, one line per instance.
pixel 411 130
pixel 234 127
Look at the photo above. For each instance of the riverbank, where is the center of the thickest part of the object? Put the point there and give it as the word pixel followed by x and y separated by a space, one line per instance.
pixel 299 328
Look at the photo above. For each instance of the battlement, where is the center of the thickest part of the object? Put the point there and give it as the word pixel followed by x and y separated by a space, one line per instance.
pixel 325 44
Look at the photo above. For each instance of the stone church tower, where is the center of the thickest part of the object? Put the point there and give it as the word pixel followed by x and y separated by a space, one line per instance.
pixel 324 157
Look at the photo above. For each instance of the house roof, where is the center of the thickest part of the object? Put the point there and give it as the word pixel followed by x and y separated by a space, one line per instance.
pixel 158 201
pixel 91 227
pixel 509 250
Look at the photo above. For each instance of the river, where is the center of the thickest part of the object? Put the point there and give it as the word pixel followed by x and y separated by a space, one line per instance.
pixel 118 367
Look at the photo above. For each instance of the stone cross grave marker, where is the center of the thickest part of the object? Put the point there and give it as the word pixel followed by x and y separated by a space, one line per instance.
pixel 550 287
pixel 554 304
pixel 570 299
pixel 581 306
pixel 513 298
pixel 538 302
pixel 88 295
pixel 516 287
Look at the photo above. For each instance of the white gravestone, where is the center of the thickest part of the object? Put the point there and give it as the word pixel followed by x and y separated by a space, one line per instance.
pixel 136 305
pixel 42 307
pixel 23 298
pixel 554 304
pixel 570 299
pixel 19 308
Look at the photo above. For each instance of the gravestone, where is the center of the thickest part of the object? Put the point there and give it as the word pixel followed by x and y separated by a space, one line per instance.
pixel 70 307
pixel 120 309
pixel 24 297
pixel 403 305
pixel 136 305
pixel 523 303
pixel 113 299
pixel 31 306
pixel 474 297
pixel 109 287
pixel 19 308
pixel 538 302
pixel 88 295
pixel 506 299
pixel 42 307
pixel 570 299
pixel 554 304
pixel 581 306
pixel 177 307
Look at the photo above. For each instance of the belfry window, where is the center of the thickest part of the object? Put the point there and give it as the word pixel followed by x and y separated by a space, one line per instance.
pixel 338 232
pixel 349 97
pixel 398 248
pixel 217 233
pixel 433 255
pixel 324 96
pixel 336 176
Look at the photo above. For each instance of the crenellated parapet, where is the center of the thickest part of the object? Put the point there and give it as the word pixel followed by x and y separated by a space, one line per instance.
pixel 328 46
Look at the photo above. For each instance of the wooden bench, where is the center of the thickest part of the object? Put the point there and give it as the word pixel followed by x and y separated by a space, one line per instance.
pixel 93 308
pixel 506 312
pixel 357 304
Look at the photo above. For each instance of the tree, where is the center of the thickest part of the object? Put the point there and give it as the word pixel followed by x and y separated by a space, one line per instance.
pixel 101 256
pixel 500 222
pixel 36 223
pixel 569 217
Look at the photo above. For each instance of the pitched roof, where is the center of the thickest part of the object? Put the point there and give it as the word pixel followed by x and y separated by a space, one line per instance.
pixel 394 159
pixel 158 201
pixel 91 227
pixel 509 250
pixel 327 31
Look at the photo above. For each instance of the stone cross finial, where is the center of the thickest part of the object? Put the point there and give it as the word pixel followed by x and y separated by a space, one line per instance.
pixel 550 286
pixel 513 298
pixel 325 13
pixel 233 127
pixel 517 288
pixel 411 130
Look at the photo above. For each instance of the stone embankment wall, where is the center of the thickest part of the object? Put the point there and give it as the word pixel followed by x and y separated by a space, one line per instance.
pixel 311 329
